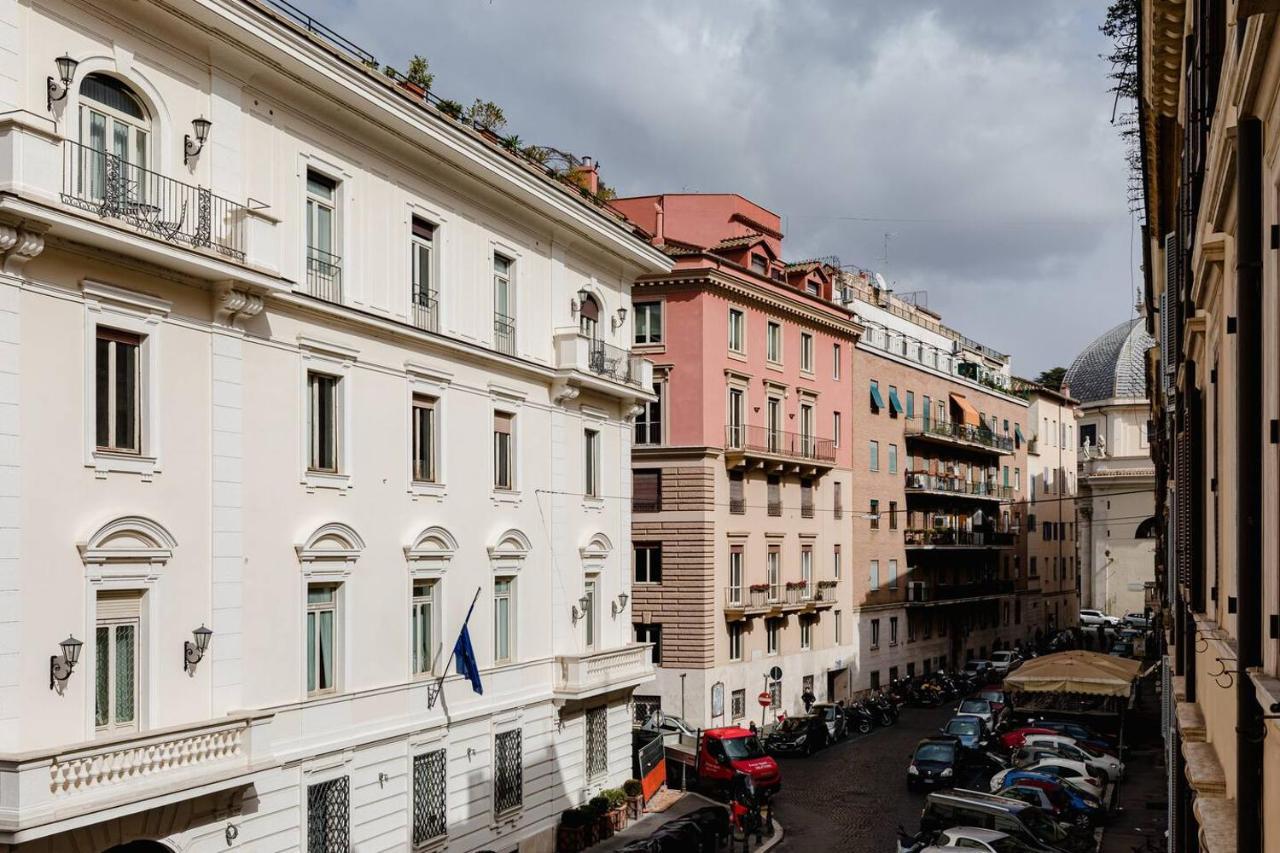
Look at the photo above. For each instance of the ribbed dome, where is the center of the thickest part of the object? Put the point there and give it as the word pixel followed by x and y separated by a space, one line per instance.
pixel 1112 366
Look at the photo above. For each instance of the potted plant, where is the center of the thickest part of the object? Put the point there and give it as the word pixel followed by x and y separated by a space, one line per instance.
pixel 634 793
pixel 759 587
pixel 571 834
pixel 419 78
pixel 617 807
pixel 453 109
pixel 599 808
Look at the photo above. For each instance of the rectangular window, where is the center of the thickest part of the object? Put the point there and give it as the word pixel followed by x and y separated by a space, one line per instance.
pixel 324 414
pixel 874 457
pixel 737 330
pixel 893 459
pixel 772 630
pixel 806 498
pixel 118 397
pixel 839 619
pixel 735 641
pixel 504 308
pixel 422 615
pixel 806 632
pixel 773 341
pixel 893 630
pixel 737 497
pixel 806 569
pixel 893 515
pixel 424 298
pixel 893 574
pixel 648 562
pixel 324 261
pixel 116 682
pixel 648 324
pixel 874 578
pixel 597 746
pixel 735 573
pixel 589 592
pixel 591 463
pixel 738 704
pixel 504 469
pixel 875 633
pixel 875 679
pixel 504 620
pixel 508 772
pixel 646 490
pixel 837 500
pixel 759 264
pixel 773 420
pixel 911 404
pixel 649 421
pixel 775 494
pixel 429 786
pixel 651 633
pixel 877 401
pixel 329 816
pixel 806 352
pixel 807 444
pixel 736 431
pixel 875 514
pixel 924 410
pixel 835 361
pixel 322 638
pixel 835 429
pixel 773 572
pixel 837 567
pixel 424 439
pixel 1017 478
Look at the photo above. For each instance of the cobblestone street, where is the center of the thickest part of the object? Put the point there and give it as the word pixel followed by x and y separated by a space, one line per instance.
pixel 852 796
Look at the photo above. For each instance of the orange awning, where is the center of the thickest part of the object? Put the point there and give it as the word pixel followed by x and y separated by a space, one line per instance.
pixel 968 414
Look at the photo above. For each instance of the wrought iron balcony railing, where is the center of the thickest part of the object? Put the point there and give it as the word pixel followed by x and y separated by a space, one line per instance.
pixel 917 481
pixel 924 593
pixel 504 333
pixel 111 187
pixel 324 275
pixel 760 439
pixel 610 361
pixel 424 309
pixel 965 433
pixel 948 538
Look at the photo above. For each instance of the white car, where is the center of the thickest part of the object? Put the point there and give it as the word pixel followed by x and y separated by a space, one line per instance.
pixel 959 838
pixel 1005 662
pixel 1072 771
pixel 1067 747
pixel 1093 618
pixel 980 708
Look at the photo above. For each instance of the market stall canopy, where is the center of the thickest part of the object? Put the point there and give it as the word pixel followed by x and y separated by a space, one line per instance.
pixel 1075 671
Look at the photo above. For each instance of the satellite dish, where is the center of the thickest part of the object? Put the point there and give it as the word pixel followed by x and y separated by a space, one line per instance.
pixel 881 283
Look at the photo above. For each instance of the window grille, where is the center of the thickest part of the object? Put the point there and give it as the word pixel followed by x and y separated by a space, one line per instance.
pixel 429 783
pixel 328 817
pixel 597 742
pixel 508 777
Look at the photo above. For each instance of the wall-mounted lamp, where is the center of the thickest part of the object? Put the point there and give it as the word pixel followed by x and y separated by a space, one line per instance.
pixel 60 666
pixel 66 73
pixel 193 652
pixel 580 609
pixel 575 304
pixel 620 604
pixel 619 317
pixel 192 147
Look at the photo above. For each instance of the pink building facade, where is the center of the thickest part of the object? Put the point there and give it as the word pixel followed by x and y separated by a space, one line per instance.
pixel 742 468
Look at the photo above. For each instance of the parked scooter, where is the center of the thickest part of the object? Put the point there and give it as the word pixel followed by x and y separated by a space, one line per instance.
pixel 858 717
pixel 908 843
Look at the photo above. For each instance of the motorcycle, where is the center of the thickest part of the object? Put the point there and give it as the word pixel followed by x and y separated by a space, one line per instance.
pixel 908 843
pixel 858 717
pixel 883 711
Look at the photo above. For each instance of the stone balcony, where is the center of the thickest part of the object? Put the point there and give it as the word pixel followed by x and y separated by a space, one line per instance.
pixel 589 674
pixel 583 362
pixel 759 600
pixel 47 791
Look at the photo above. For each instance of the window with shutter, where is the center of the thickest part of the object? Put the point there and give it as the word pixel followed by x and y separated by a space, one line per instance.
pixel 646 490
pixel 737 499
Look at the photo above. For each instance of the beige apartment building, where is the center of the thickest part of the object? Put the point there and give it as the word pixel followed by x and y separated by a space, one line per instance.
pixel 941 433
pixel 1210 79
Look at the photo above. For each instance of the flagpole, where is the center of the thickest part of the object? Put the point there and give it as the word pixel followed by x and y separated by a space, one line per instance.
pixel 433 690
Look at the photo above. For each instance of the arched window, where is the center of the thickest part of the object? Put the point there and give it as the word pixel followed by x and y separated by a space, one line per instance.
pixel 112 118
pixel 588 317
pixel 1147 529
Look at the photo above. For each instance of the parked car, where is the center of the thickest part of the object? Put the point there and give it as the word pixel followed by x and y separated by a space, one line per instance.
pixel 1005 661
pixel 997 699
pixel 801 735
pixel 962 838
pixel 1093 618
pixel 1079 800
pixel 1046 762
pixel 1067 746
pixel 978 669
pixel 1121 649
pixel 933 762
pixel 834 717
pixel 1054 802
pixel 978 708
pixel 1035 829
pixel 971 731
pixel 717 755
pixel 1137 620
pixel 1079 731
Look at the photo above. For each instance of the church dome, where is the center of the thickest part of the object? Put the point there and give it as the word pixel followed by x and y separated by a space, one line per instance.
pixel 1114 365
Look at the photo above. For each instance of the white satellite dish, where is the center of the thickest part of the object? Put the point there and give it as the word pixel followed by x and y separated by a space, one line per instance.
pixel 881 283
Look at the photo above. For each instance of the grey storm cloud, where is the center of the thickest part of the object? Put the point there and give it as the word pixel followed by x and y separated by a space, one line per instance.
pixel 976 133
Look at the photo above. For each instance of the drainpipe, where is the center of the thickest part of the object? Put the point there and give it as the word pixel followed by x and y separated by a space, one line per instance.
pixel 1249 731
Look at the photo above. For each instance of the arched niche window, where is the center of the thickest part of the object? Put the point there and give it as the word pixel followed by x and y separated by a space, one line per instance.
pixel 131 546
pixel 589 317
pixel 1147 529
pixel 113 119
pixel 431 551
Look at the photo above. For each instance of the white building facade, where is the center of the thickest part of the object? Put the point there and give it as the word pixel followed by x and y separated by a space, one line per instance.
pixel 315 378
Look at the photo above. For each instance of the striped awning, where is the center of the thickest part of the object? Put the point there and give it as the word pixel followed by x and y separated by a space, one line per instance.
pixel 968 414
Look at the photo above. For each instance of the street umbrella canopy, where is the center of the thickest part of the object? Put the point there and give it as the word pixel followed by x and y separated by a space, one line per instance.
pixel 1075 671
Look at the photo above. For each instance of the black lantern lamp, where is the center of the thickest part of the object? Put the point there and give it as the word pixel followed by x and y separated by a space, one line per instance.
pixel 59 87
pixel 60 666
pixel 193 652
pixel 193 146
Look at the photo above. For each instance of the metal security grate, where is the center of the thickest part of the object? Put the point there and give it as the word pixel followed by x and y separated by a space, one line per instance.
pixel 328 817
pixel 508 776
pixel 597 742
pixel 428 796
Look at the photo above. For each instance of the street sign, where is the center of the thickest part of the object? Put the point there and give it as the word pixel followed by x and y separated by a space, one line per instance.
pixel 765 699
pixel 776 673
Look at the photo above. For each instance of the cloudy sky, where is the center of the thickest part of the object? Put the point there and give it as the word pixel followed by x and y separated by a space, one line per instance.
pixel 975 133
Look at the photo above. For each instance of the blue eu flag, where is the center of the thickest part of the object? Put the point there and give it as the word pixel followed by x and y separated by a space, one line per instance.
pixel 466 659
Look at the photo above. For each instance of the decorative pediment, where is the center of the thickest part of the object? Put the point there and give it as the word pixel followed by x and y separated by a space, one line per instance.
pixel 129 539
pixel 331 550
pixel 432 549
pixel 510 550
pixel 597 549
